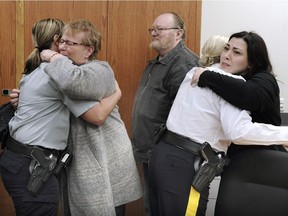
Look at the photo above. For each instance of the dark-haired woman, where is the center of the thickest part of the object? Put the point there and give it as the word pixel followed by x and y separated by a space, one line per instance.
pixel 259 95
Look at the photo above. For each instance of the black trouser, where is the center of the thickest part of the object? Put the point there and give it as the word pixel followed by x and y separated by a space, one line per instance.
pixel 146 190
pixel 254 183
pixel 15 175
pixel 120 210
pixel 171 171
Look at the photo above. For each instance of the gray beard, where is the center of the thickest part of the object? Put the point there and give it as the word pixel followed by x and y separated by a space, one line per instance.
pixel 156 45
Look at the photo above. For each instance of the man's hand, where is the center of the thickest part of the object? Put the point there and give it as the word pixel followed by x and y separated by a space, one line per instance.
pixel 14 97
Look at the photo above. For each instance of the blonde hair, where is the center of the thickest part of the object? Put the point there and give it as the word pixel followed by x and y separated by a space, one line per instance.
pixel 92 35
pixel 212 49
pixel 43 33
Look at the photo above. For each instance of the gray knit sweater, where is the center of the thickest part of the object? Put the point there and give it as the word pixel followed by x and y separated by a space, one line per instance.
pixel 103 172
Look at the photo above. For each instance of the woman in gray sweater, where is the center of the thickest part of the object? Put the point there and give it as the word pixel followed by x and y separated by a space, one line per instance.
pixel 103 174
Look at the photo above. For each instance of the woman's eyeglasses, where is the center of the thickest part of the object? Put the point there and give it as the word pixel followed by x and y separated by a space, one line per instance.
pixel 69 43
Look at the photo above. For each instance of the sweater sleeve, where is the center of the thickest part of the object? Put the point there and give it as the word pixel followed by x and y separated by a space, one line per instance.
pixel 257 94
pixel 91 81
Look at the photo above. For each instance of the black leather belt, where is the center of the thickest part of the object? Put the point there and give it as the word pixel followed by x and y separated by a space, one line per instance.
pixel 26 150
pixel 182 142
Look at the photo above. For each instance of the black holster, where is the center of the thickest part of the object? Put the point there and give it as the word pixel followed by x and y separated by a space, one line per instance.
pixel 212 166
pixel 42 166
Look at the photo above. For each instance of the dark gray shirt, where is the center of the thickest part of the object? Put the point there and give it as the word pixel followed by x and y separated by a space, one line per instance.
pixel 155 94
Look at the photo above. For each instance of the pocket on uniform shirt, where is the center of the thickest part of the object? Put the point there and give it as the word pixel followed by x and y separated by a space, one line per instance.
pixel 11 161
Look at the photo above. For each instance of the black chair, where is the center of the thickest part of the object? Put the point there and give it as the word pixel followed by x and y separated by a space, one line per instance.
pixel 284 118
pixel 254 184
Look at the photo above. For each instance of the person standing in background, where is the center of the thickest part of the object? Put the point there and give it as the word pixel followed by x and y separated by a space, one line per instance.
pixel 158 86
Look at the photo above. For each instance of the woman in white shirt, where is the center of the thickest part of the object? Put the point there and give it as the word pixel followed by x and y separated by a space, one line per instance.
pixel 198 114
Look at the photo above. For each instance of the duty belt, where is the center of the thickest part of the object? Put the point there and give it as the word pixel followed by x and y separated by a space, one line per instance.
pixel 26 150
pixel 182 142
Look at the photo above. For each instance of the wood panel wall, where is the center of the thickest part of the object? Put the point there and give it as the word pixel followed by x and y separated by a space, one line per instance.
pixel 7 46
pixel 123 25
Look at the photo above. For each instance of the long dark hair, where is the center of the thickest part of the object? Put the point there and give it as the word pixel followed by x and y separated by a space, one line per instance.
pixel 258 56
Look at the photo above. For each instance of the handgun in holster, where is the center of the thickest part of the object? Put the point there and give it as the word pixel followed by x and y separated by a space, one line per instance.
pixel 212 166
pixel 42 167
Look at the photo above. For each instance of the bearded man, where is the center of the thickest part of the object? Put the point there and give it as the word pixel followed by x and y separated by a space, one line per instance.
pixel 158 87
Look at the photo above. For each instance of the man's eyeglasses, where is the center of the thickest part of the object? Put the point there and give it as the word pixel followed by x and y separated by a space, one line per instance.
pixel 158 30
pixel 69 43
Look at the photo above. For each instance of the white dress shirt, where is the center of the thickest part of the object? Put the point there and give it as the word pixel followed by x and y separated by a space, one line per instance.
pixel 201 115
